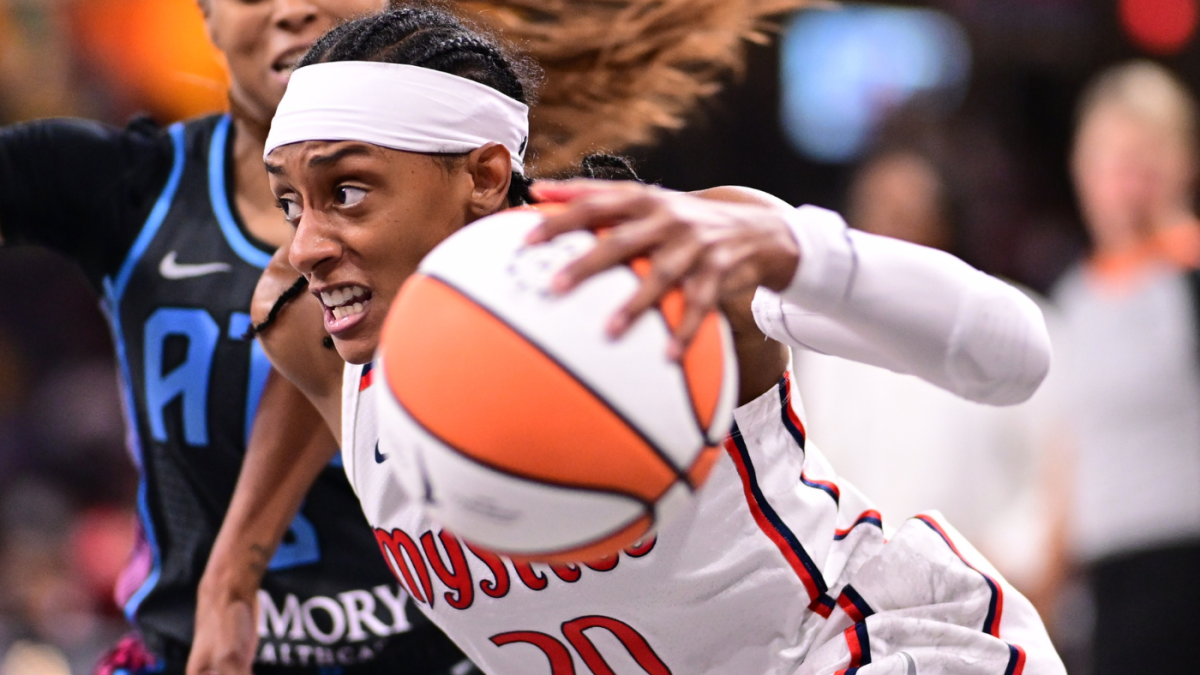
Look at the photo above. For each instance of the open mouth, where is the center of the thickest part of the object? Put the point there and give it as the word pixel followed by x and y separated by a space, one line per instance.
pixel 287 62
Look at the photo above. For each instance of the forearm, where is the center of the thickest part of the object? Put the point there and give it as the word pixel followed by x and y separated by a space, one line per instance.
pixel 910 309
pixel 289 447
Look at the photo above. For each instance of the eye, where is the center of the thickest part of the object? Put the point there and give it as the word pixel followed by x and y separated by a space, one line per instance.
pixel 291 210
pixel 350 196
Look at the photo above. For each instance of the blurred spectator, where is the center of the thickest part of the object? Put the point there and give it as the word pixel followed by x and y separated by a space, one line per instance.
pixel 911 446
pixel 66 485
pixel 1132 373
pixel 36 60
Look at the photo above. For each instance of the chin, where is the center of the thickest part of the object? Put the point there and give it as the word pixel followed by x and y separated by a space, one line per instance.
pixel 353 352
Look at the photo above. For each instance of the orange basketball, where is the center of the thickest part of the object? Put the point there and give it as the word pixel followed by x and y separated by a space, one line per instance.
pixel 522 426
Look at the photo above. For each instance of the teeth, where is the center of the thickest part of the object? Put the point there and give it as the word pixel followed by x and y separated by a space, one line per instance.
pixel 344 311
pixel 340 296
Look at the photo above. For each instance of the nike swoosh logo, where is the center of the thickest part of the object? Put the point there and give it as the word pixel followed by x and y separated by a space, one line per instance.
pixel 174 270
pixel 379 457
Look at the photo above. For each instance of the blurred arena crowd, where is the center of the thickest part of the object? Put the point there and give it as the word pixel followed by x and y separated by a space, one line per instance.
pixel 1050 142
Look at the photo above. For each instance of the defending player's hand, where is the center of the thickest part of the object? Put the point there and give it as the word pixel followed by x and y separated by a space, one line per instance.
pixel 713 251
pixel 226 636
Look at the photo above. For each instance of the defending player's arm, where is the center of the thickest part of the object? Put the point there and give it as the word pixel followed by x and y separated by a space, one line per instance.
pixel 292 441
pixel 289 446
pixel 79 187
pixel 846 293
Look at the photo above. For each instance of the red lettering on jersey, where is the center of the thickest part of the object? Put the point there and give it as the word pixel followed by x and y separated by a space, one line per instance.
pixel 568 573
pixel 642 548
pixel 497 587
pixel 605 564
pixel 634 643
pixel 555 651
pixel 457 576
pixel 534 580
pixel 400 546
pixel 454 571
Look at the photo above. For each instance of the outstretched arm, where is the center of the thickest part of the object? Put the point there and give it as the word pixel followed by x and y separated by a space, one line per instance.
pixel 909 309
pixel 819 285
pixel 292 441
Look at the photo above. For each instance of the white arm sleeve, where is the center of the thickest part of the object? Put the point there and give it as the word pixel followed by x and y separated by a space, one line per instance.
pixel 909 309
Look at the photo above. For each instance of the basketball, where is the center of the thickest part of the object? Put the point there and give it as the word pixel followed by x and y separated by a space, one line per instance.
pixel 519 423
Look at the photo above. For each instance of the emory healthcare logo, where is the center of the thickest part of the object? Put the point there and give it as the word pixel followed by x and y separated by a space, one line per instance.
pixel 329 631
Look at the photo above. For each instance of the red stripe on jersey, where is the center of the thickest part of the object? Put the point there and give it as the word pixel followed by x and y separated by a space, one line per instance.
pixel 854 605
pixel 991 623
pixel 860 648
pixel 815 588
pixel 869 516
pixel 828 487
pixel 1016 661
pixel 791 411
pixel 368 378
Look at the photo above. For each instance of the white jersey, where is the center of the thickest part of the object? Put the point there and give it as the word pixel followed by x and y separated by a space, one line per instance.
pixel 779 568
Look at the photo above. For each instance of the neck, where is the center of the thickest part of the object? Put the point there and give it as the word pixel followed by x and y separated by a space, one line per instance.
pixel 255 202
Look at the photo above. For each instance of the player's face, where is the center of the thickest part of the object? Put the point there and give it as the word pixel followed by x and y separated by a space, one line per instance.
pixel 263 39
pixel 364 217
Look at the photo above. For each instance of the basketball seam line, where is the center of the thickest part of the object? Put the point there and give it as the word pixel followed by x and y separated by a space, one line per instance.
pixel 680 476
pixel 606 535
pixel 687 383
pixel 646 505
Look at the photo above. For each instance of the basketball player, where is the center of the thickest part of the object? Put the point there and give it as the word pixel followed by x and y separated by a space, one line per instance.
pixel 173 228
pixel 780 568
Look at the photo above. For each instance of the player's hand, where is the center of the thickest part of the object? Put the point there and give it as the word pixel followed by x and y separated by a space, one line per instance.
pixel 713 251
pixel 226 635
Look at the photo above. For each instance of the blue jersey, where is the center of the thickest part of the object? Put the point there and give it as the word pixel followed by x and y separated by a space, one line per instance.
pixel 151 220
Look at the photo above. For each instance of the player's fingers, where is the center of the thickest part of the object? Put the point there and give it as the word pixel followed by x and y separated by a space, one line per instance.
pixel 664 271
pixel 601 209
pixel 615 247
pixel 701 294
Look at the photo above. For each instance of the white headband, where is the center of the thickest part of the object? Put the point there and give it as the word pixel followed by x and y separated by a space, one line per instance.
pixel 400 107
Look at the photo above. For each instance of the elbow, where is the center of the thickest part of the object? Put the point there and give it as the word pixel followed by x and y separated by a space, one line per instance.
pixel 1002 354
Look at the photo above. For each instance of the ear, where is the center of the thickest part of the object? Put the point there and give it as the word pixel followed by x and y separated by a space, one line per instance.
pixel 490 170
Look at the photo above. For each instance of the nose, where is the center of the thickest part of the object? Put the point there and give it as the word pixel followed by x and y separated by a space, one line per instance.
pixel 294 15
pixel 312 247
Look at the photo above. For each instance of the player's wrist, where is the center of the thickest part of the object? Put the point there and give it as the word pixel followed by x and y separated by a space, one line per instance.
pixel 779 257
pixel 231 578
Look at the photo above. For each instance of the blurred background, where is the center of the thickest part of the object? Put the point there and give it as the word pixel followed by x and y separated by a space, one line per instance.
pixel 946 122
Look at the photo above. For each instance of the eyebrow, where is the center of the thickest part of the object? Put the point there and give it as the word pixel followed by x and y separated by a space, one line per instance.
pixel 273 168
pixel 325 160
